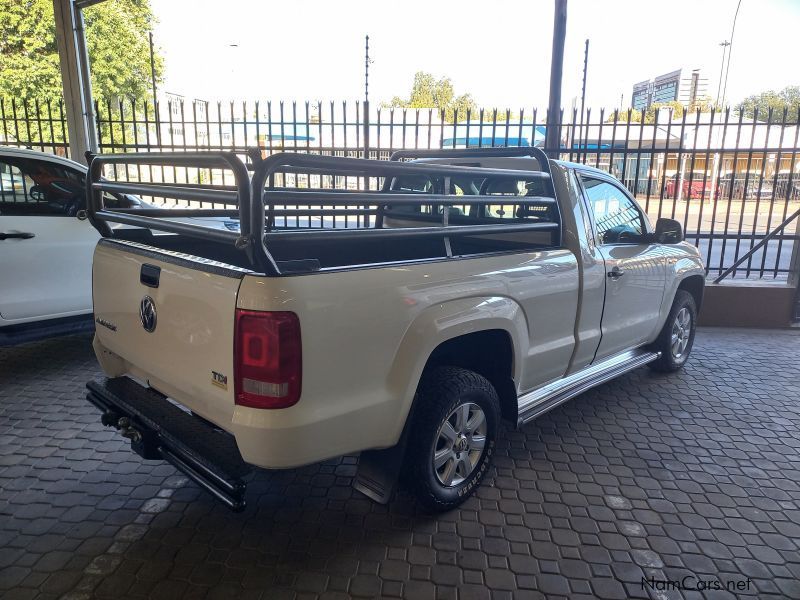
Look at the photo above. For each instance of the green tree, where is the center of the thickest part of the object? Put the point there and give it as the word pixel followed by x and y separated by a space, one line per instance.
pixel 703 105
pixel 116 35
pixel 429 92
pixel 623 116
pixel 788 98
pixel 663 107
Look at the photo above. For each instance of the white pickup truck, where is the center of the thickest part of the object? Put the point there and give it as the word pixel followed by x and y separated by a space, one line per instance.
pixel 404 322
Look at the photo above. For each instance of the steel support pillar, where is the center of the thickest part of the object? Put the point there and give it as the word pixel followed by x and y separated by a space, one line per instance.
pixel 553 131
pixel 794 264
pixel 75 79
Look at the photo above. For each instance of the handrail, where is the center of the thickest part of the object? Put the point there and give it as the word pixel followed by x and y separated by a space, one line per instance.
pixel 758 246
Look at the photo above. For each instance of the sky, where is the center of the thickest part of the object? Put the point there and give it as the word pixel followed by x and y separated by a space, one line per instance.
pixel 498 51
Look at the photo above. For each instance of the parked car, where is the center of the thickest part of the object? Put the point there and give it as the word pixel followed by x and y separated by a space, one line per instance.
pixel 407 340
pixel 695 186
pixel 761 190
pixel 746 185
pixel 787 184
pixel 45 250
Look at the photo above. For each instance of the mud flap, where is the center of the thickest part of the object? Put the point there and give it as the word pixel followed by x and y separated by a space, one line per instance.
pixel 379 470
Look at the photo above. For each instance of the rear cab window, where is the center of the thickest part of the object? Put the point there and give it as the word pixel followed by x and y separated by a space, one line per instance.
pixel 507 209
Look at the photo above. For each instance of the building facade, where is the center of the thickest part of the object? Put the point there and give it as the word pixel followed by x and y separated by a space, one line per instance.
pixel 684 86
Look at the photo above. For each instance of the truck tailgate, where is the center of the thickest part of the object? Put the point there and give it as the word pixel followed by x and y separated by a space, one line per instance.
pixel 182 344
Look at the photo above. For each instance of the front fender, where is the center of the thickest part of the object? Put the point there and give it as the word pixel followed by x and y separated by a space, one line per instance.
pixel 683 261
pixel 441 322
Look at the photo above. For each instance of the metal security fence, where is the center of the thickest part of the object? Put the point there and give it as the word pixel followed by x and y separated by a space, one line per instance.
pixel 34 124
pixel 732 180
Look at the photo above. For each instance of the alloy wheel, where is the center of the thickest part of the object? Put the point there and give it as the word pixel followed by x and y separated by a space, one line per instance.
pixel 460 443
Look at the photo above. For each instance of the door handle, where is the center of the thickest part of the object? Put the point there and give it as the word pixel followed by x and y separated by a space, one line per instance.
pixel 616 273
pixel 23 235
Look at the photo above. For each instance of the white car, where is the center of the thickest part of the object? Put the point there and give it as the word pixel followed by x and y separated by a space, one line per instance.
pixel 45 249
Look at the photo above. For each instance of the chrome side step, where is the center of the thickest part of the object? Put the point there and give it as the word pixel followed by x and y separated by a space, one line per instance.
pixel 538 402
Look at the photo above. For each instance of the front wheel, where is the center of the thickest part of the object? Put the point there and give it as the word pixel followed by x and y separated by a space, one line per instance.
pixel 452 437
pixel 677 337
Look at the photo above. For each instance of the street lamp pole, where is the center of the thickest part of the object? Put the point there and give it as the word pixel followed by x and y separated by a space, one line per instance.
pixel 366 96
pixel 155 92
pixel 724 45
pixel 583 89
pixel 585 70
pixel 730 51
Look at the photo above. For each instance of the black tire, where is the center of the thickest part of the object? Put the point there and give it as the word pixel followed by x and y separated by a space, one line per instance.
pixel 668 362
pixel 441 391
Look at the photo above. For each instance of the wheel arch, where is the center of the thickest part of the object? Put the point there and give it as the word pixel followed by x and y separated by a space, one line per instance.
pixel 695 285
pixel 454 331
pixel 490 353
pixel 684 272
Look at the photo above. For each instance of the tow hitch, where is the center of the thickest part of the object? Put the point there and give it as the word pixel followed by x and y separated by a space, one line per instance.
pixel 159 430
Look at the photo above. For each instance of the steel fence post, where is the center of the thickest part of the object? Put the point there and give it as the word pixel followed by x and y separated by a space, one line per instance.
pixel 794 263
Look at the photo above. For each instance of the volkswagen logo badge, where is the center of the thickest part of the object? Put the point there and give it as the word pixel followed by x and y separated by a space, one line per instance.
pixel 147 313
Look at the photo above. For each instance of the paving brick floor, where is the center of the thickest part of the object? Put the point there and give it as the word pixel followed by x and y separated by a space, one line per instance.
pixel 662 477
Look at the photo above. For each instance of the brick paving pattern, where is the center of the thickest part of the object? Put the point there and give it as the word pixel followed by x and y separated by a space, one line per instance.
pixel 647 476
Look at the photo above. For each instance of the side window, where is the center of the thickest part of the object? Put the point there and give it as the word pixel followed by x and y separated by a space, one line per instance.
pixel 617 218
pixel 15 188
pixel 38 188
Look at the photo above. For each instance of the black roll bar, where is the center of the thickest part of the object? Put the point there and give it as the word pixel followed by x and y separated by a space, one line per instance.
pixel 297 162
pixel 474 153
pixel 405 232
pixel 196 231
pixel 489 152
pixel 337 197
pixel 240 196
pixel 170 191
pixel 252 196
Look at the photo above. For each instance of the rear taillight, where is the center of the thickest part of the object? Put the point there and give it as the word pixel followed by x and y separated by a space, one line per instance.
pixel 268 367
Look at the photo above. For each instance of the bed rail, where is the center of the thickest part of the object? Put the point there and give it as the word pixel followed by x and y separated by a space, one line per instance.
pixel 259 205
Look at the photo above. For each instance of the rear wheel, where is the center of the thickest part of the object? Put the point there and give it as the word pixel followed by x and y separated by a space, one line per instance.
pixel 677 337
pixel 452 437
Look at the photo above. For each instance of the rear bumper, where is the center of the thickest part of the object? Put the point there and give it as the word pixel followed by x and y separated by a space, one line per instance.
pixel 301 435
pixel 159 429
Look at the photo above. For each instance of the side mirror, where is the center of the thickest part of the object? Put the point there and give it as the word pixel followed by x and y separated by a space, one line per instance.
pixel 668 231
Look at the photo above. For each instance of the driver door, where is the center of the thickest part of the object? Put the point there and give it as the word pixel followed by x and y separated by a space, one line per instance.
pixel 45 251
pixel 635 270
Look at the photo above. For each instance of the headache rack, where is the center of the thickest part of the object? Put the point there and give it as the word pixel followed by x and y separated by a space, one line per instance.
pixel 254 198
